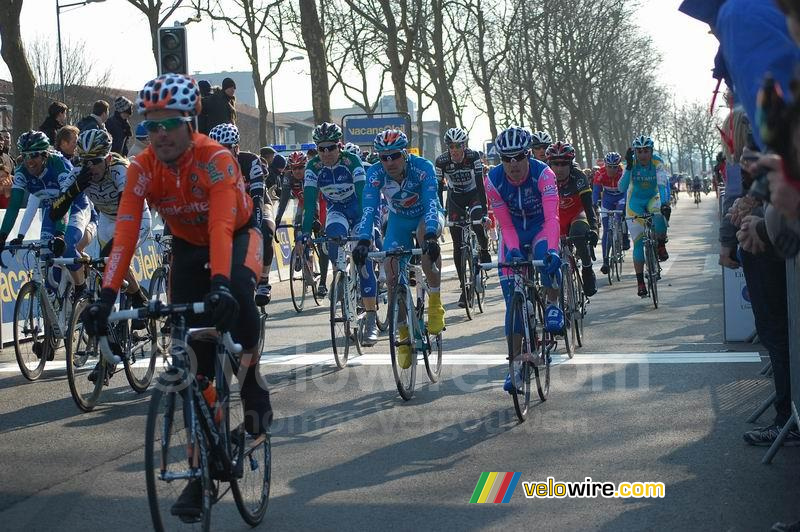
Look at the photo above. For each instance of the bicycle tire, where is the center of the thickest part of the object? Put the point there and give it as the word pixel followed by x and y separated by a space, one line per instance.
pixel 566 296
pixel 138 380
pixel 340 326
pixel 382 304
pixel 161 494
pixel 34 320
pixel 618 256
pixel 580 310
pixel 432 351
pixel 480 293
pixel 254 516
pixel 297 283
pixel 80 360
pixel 159 290
pixel 404 377
pixel 313 276
pixel 610 258
pixel 652 281
pixel 466 281
pixel 519 369
pixel 542 368
pixel 262 328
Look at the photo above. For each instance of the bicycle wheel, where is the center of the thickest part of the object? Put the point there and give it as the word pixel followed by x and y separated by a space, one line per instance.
pixel 31 346
pixel 340 325
pixel 403 377
pixel 480 287
pixel 617 255
pixel 541 364
pixel 432 350
pixel 519 357
pixel 466 286
pixel 82 359
pixel 382 303
pixel 251 490
pixel 141 351
pixel 262 331
pixel 166 457
pixel 297 284
pixel 652 265
pixel 159 291
pixel 312 277
pixel 567 299
pixel 580 309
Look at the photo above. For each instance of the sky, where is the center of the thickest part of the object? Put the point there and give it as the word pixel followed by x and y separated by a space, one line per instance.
pixel 119 39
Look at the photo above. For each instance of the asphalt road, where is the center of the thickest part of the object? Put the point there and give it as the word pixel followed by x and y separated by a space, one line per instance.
pixel 655 395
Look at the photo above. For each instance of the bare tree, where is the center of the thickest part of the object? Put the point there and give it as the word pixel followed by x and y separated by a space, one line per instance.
pixel 157 13
pixel 250 21
pixel 83 80
pixel 13 53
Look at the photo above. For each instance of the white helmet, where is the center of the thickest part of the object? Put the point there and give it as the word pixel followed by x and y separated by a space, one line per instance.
pixel 541 138
pixel 225 134
pixel 456 135
pixel 352 148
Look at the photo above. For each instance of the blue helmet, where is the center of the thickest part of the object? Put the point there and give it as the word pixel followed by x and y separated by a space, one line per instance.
pixel 613 158
pixel 513 140
pixel 391 139
pixel 642 141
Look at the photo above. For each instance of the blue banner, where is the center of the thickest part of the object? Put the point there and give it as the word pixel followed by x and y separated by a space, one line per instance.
pixel 363 130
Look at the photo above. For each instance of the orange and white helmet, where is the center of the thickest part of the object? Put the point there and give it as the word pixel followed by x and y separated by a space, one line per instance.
pixel 170 91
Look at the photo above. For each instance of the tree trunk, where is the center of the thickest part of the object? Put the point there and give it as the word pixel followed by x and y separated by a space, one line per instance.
pixel 314 39
pixel 13 54
pixel 263 111
pixel 152 20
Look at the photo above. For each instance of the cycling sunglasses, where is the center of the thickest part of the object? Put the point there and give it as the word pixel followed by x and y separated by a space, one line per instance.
pixel 167 124
pixel 518 157
pixel 560 163
pixel 391 156
pixel 328 148
pixel 94 161
pixel 35 155
pixel 457 146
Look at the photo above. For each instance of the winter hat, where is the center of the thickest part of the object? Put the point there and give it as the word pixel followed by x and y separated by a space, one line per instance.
pixel 227 83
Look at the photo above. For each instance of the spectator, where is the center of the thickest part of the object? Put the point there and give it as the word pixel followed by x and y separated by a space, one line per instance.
pixel 267 155
pixel 119 127
pixel 97 119
pixel 205 106
pixel 56 119
pixel 142 141
pixel 222 105
pixel 6 173
pixel 5 135
pixel 66 142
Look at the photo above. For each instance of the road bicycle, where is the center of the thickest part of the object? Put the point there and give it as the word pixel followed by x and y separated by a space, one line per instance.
pixel 303 273
pixel 159 287
pixel 473 283
pixel 188 438
pixel 42 310
pixel 652 266
pixel 528 344
pixel 614 249
pixel 136 343
pixel 406 316
pixel 572 298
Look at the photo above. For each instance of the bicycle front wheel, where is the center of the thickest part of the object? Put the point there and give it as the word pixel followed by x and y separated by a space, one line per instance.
pixel 401 342
pixel 297 285
pixel 83 360
pixel 140 347
pixel 480 288
pixel 382 302
pixel 251 490
pixel 652 272
pixel 31 346
pixel 520 349
pixel 167 455
pixel 567 300
pixel 159 291
pixel 340 325
pixel 466 284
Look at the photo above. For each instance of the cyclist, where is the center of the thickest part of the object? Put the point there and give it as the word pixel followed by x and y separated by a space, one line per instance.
pixel 409 184
pixel 524 197
pixel 575 208
pixel 292 185
pixel 198 189
pixel 462 169
pixel 339 177
pixel 42 174
pixel 541 140
pixel 645 186
pixel 697 186
pixel 606 194
pixel 253 173
pixel 100 178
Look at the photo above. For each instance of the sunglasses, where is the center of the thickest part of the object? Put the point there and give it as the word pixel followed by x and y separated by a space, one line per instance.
pixel 560 163
pixel 516 158
pixel 167 124
pixel 328 148
pixel 458 146
pixel 615 166
pixel 391 156
pixel 642 150
pixel 36 155
pixel 94 162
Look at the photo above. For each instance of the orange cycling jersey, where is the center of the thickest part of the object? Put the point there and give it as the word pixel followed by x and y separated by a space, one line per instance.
pixel 203 202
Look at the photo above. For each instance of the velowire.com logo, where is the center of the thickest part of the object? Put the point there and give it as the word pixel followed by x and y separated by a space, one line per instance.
pixel 495 487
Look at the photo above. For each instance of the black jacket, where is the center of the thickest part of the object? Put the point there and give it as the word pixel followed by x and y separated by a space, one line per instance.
pixel 120 131
pixel 49 127
pixel 89 122
pixel 221 109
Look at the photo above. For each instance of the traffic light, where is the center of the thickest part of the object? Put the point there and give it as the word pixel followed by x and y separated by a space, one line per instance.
pixel 172 50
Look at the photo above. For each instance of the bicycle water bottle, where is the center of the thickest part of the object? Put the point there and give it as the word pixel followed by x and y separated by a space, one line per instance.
pixel 210 395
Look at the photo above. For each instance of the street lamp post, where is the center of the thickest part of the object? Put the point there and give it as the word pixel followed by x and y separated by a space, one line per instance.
pixel 272 94
pixel 59 7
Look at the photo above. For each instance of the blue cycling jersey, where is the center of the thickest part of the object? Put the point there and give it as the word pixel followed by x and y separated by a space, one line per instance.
pixel 414 197
pixel 642 183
